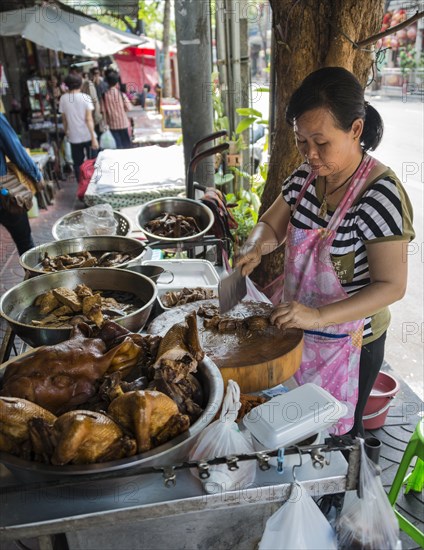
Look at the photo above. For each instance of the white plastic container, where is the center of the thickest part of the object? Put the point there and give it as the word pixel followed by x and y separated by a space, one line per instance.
pixel 294 416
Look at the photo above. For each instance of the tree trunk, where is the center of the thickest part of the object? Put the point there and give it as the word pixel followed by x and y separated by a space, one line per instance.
pixel 167 85
pixel 309 35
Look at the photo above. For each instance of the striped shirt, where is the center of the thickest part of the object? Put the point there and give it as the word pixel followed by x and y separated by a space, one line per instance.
pixel 382 212
pixel 114 107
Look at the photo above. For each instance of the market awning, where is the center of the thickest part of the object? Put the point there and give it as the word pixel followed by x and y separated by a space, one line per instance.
pixel 61 30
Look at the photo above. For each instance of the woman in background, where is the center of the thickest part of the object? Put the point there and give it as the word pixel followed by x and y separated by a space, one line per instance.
pixel 17 224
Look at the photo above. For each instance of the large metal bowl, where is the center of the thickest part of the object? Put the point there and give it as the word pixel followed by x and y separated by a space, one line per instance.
pixel 175 205
pixel 123 223
pixel 17 299
pixel 31 259
pixel 170 453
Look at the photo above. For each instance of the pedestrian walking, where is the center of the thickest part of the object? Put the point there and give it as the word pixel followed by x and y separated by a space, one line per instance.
pixel 77 116
pixel 115 106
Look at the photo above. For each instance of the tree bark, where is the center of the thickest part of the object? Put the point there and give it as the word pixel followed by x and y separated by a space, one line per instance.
pixel 309 35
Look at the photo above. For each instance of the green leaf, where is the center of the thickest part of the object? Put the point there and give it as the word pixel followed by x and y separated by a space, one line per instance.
pixel 249 111
pixel 244 124
pixel 262 89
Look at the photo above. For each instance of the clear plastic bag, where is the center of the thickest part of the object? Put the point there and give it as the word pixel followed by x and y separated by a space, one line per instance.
pixel 368 522
pixel 254 294
pixel 223 438
pixel 107 141
pixel 99 220
pixel 299 523
pixel 67 151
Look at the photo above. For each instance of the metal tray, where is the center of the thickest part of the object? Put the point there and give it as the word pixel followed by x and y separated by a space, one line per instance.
pixel 187 273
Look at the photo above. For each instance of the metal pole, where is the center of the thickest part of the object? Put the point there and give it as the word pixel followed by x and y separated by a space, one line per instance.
pixel 222 59
pixel 192 22
pixel 56 128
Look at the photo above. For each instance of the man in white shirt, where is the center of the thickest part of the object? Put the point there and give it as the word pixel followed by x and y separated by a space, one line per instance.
pixel 77 116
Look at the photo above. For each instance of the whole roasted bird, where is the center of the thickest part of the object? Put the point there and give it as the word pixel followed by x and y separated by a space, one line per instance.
pixel 65 375
pixel 15 416
pixel 85 437
pixel 151 416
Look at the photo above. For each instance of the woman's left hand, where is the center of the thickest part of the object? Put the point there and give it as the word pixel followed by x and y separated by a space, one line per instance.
pixel 295 315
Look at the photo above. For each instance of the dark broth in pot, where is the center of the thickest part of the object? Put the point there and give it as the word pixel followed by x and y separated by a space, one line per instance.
pixel 128 302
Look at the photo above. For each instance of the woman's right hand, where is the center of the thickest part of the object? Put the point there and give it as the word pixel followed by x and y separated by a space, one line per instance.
pixel 248 257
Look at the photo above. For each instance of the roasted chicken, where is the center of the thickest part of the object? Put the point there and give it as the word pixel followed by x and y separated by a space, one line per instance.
pixel 65 375
pixel 15 415
pixel 85 437
pixel 97 372
pixel 150 415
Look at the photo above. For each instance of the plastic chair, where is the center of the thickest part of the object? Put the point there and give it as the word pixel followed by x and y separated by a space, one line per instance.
pixel 415 448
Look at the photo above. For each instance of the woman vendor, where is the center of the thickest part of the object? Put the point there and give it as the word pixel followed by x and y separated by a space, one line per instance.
pixel 346 221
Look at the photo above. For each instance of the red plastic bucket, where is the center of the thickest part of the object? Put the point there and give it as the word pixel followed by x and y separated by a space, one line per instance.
pixel 384 390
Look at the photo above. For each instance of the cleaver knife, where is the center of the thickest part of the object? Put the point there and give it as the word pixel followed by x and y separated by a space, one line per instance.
pixel 231 290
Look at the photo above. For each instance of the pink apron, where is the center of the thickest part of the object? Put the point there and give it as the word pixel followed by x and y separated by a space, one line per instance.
pixel 331 355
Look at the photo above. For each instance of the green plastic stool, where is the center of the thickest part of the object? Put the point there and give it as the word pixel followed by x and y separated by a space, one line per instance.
pixel 414 448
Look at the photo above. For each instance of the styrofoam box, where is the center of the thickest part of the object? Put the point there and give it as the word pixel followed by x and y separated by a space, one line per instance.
pixel 294 416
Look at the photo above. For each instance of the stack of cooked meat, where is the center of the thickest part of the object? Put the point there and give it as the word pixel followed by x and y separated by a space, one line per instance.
pixel 84 259
pixel 60 305
pixel 226 323
pixel 172 226
pixel 175 298
pixel 98 398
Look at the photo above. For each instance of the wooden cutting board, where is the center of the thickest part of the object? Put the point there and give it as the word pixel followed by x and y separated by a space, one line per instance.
pixel 255 360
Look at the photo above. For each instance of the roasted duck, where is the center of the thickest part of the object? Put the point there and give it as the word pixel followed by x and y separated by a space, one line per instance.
pixel 65 375
pixel 101 373
pixel 15 415
pixel 179 351
pixel 187 394
pixel 151 416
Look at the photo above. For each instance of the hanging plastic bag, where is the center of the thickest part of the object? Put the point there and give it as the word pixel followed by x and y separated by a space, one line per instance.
pixel 368 522
pixel 254 294
pixel 223 438
pixel 107 141
pixel 67 151
pixel 252 291
pixel 299 523
pixel 274 290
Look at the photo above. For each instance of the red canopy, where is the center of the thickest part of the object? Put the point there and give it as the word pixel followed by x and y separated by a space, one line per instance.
pixel 137 68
